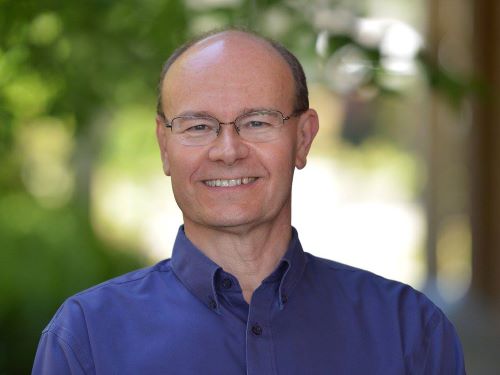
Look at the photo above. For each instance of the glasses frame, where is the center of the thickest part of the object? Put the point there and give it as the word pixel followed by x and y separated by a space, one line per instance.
pixel 168 124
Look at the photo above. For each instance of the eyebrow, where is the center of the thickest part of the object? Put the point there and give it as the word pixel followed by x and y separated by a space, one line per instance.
pixel 256 109
pixel 194 114
pixel 208 114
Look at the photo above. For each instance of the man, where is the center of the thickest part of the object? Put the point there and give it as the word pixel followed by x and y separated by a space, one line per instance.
pixel 239 295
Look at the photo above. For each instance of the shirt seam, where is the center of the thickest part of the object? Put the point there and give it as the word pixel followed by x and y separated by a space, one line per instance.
pixel 339 267
pixel 113 283
pixel 429 330
pixel 62 340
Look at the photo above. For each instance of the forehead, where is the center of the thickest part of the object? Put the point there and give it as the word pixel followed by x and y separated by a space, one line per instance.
pixel 228 70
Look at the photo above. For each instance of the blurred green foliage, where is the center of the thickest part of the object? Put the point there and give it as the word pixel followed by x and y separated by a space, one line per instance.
pixel 66 64
pixel 46 256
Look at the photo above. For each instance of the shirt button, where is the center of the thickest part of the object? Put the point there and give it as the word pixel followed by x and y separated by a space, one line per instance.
pixel 284 299
pixel 227 283
pixel 212 304
pixel 257 330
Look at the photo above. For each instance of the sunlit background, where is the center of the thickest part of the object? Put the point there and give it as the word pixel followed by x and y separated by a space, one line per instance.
pixel 390 186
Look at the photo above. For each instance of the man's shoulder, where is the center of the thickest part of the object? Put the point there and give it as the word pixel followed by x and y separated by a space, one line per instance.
pixel 362 286
pixel 113 293
pixel 342 271
pixel 355 290
pixel 125 281
pixel 389 310
pixel 104 305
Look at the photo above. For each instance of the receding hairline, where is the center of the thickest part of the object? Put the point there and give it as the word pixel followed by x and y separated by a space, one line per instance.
pixel 231 33
pixel 234 38
pixel 293 65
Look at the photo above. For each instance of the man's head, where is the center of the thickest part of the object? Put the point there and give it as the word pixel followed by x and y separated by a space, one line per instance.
pixel 301 91
pixel 231 182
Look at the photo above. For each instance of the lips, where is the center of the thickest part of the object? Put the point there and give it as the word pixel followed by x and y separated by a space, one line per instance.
pixel 230 182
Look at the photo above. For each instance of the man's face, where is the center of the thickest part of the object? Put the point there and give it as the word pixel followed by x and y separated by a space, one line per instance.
pixel 224 76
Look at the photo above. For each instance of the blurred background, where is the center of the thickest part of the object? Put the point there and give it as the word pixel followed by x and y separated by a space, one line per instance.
pixel 404 179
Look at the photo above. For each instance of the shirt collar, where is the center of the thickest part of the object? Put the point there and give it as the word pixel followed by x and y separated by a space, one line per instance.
pixel 195 270
pixel 198 273
pixel 293 264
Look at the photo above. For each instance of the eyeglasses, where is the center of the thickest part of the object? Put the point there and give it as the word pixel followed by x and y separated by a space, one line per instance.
pixel 255 126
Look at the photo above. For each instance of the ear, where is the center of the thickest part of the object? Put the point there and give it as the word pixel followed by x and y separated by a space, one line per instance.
pixel 161 137
pixel 307 129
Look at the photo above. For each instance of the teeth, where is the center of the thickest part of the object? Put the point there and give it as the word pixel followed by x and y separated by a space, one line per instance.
pixel 229 183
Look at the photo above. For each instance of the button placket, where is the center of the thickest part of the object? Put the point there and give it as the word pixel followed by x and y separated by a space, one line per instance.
pixel 260 350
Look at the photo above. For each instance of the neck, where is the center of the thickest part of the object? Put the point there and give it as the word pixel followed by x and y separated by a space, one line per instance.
pixel 250 255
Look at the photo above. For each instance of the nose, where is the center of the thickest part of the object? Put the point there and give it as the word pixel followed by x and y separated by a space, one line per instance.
pixel 228 147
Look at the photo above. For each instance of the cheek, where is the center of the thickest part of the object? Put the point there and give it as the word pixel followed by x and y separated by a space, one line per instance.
pixel 180 179
pixel 281 163
pixel 182 164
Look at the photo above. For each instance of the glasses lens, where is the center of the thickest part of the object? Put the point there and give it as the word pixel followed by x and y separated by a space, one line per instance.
pixel 193 130
pixel 260 126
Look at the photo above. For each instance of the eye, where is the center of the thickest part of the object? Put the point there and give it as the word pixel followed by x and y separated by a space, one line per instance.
pixel 257 124
pixel 194 126
pixel 198 128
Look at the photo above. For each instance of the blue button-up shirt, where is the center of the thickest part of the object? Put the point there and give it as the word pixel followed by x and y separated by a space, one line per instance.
pixel 311 316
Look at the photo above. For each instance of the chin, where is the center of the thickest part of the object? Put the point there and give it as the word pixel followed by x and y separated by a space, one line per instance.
pixel 236 216
pixel 228 221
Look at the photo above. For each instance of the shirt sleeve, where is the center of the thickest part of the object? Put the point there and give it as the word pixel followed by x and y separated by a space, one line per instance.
pixel 440 352
pixel 55 356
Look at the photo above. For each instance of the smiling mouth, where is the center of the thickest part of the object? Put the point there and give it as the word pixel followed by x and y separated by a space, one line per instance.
pixel 230 182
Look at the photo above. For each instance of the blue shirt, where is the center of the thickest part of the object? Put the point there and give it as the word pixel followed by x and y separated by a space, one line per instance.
pixel 311 316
